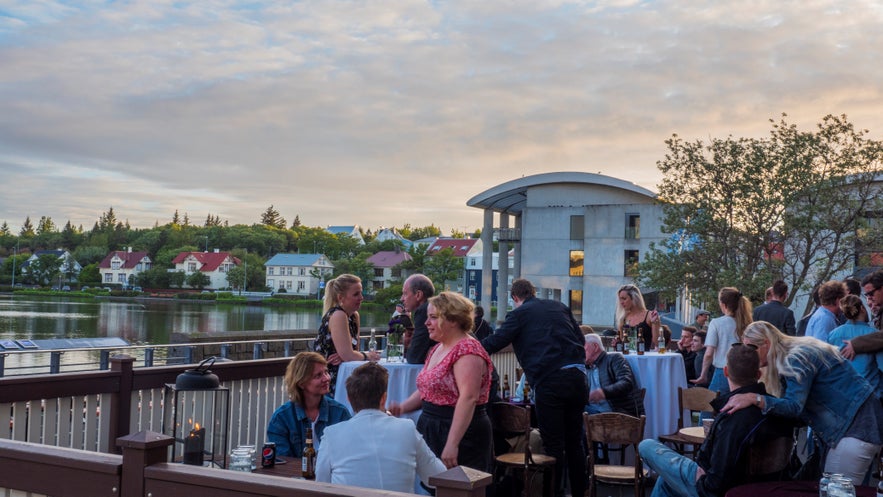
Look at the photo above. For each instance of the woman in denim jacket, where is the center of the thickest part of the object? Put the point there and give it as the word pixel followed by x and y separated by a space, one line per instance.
pixel 810 381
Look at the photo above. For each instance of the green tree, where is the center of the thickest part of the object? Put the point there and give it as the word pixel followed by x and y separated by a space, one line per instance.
pixel 733 205
pixel 358 266
pixel 177 279
pixel 443 267
pixel 4 229
pixel 27 229
pixel 198 280
pixel 271 217
pixel 44 270
pixel 46 225
pixel 89 275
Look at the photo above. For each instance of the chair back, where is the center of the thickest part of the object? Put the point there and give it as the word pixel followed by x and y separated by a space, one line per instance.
pixel 769 458
pixel 696 399
pixel 614 427
pixel 513 421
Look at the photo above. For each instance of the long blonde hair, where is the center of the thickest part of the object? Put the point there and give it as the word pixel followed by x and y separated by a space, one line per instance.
pixel 788 356
pixel 337 287
pixel 637 300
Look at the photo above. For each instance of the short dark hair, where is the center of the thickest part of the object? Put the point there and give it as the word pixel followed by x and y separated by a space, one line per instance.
pixel 523 289
pixel 875 278
pixel 701 335
pixel 366 386
pixel 743 364
pixel 780 289
pixel 853 286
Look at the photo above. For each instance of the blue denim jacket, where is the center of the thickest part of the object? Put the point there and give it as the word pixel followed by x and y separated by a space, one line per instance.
pixel 289 423
pixel 827 398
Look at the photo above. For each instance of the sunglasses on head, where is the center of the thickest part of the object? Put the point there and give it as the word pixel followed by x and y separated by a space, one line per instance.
pixel 750 345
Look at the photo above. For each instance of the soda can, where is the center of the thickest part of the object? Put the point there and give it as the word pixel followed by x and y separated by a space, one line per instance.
pixel 268 455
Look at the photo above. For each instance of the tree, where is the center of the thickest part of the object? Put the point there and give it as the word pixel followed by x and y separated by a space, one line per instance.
pixel 744 212
pixel 27 229
pixel 358 266
pixel 271 217
pixel 44 269
pixel 89 275
pixel 198 280
pixel 45 225
pixel 444 266
pixel 296 223
pixel 4 229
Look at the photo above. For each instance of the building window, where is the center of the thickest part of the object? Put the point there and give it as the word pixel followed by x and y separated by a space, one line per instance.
pixel 632 226
pixel 121 278
pixel 378 272
pixel 115 265
pixel 300 286
pixel 473 261
pixel 288 271
pixel 577 227
pixel 108 277
pixel 576 262
pixel 191 267
pixel 471 275
pixel 271 271
pixel 631 263
pixel 576 305
pixel 397 273
pixel 302 271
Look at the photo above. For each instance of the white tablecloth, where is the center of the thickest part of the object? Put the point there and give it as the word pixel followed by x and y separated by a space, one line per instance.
pixel 661 375
pixel 402 382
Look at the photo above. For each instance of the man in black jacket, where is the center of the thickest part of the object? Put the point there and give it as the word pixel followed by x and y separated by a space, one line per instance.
pixel 612 384
pixel 721 462
pixel 549 346
pixel 416 292
pixel 775 312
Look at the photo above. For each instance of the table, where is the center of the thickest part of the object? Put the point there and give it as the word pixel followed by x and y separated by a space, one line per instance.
pixel 788 489
pixel 402 383
pixel 695 434
pixel 661 375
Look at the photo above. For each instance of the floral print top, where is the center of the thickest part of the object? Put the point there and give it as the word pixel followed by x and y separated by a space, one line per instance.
pixel 438 386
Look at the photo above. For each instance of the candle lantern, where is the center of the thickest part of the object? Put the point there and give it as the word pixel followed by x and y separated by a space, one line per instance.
pixel 196 414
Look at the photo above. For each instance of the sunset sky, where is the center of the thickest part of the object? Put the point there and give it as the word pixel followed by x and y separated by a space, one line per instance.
pixel 382 113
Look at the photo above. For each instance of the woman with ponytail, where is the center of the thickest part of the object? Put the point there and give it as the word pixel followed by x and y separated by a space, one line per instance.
pixel 723 332
pixel 338 338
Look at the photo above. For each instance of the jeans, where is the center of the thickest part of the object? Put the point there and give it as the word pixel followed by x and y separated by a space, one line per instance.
pixel 560 400
pixel 677 473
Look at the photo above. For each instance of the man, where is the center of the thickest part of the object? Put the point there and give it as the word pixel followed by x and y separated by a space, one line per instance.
pixel 549 346
pixel 775 312
pixel 415 293
pixel 701 322
pixel 721 461
pixel 612 385
pixel 359 452
pixel 685 348
pixel 872 285
pixel 824 319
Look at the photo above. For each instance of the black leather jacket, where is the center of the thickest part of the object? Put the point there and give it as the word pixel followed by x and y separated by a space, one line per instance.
pixel 618 383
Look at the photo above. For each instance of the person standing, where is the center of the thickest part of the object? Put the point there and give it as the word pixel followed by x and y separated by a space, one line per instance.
pixel 825 317
pixel 701 320
pixel 631 313
pixel 872 285
pixel 549 346
pixel 723 332
pixel 416 292
pixel 775 312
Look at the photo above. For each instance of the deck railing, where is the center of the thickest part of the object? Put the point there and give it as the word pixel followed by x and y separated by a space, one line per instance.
pixel 90 410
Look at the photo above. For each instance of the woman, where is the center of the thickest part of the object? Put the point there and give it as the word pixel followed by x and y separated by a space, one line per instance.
pixel 338 338
pixel 807 379
pixel 308 383
pixel 453 387
pixel 723 332
pixel 632 313
pixel 867 365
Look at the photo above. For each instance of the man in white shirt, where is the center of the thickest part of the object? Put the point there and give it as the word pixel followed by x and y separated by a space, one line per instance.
pixel 374 449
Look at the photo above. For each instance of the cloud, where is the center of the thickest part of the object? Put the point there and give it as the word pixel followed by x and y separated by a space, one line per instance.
pixel 394 112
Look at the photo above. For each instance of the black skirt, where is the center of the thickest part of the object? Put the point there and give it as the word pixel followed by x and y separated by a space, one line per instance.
pixel 476 449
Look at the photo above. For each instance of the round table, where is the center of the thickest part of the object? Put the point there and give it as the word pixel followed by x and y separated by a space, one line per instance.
pixel 695 434
pixel 660 375
pixel 788 489
pixel 402 382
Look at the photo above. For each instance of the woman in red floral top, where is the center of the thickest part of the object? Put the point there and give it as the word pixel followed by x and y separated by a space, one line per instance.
pixel 453 387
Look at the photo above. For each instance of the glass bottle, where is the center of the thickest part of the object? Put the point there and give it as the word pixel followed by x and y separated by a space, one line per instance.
pixel 660 343
pixel 372 342
pixel 507 390
pixel 308 461
pixel 526 392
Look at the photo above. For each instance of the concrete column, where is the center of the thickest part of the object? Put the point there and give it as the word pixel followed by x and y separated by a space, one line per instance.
pixel 487 252
pixel 516 262
pixel 503 270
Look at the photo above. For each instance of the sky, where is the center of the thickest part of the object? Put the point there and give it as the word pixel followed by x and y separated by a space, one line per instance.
pixel 386 113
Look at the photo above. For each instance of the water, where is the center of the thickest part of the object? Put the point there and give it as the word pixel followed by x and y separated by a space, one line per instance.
pixel 145 321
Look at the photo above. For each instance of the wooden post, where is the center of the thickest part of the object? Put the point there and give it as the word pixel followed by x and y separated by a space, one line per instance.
pixel 460 481
pixel 120 401
pixel 140 450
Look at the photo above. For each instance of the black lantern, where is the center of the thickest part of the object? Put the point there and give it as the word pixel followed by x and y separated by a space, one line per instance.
pixel 196 414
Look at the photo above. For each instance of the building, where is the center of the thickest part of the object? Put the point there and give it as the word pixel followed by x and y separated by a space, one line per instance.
pixel 576 236
pixel 215 265
pixel 352 231
pixel 386 270
pixel 122 266
pixel 461 249
pixel 298 274
pixel 385 234
pixel 68 270
pixel 474 277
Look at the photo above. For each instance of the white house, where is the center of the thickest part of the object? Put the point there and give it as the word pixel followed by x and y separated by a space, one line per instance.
pixel 385 270
pixel 120 266
pixel 391 234
pixel 215 265
pixel 69 269
pixel 352 231
pixel 298 274
pixel 576 236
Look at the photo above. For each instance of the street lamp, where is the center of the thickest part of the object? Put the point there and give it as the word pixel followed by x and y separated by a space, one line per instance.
pixel 14 254
pixel 206 242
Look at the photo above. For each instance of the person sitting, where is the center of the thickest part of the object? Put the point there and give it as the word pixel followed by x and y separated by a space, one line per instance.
pixel 308 383
pixel 721 462
pixel 684 346
pixel 374 449
pixel 698 359
pixel 612 385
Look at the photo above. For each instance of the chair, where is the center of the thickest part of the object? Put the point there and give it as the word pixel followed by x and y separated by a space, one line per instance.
pixel 514 421
pixel 768 459
pixel 614 427
pixel 606 449
pixel 695 400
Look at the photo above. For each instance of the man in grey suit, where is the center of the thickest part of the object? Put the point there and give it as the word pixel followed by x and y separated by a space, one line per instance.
pixel 775 312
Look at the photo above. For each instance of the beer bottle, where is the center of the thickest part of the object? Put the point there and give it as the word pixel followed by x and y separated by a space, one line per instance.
pixel 308 461
pixel 507 390
pixel 526 393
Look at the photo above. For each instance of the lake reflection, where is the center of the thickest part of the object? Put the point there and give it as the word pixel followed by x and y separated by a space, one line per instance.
pixel 147 321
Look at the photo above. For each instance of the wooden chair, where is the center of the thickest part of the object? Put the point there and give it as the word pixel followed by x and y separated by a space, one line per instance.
pixel 695 400
pixel 768 459
pixel 614 427
pixel 514 421
pixel 606 449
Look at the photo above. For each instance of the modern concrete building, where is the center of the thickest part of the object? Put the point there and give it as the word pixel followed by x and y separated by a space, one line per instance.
pixel 576 236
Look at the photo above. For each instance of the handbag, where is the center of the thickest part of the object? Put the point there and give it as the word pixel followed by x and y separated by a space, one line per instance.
pixel 811 468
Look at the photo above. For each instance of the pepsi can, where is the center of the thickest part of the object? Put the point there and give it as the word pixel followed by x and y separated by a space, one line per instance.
pixel 268 455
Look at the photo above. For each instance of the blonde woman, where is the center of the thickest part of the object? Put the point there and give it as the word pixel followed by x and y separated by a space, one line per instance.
pixel 338 337
pixel 723 332
pixel 808 379
pixel 453 387
pixel 631 312
pixel 308 383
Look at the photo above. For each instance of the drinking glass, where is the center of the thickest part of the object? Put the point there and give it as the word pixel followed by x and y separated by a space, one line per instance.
pixel 840 486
